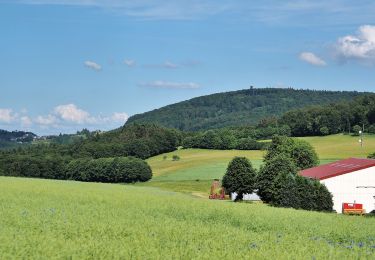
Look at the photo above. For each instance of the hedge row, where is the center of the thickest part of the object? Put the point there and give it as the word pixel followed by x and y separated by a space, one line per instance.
pixel 222 140
pixel 50 167
pixel 119 169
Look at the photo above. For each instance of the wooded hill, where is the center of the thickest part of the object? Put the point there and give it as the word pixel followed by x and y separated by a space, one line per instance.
pixel 9 139
pixel 243 107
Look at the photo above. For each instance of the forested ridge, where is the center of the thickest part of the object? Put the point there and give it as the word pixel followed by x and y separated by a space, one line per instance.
pixel 237 108
pixel 9 139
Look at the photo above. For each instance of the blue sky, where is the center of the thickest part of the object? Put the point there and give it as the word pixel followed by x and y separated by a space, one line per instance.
pixel 70 64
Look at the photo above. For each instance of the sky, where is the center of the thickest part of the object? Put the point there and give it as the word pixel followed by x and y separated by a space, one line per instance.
pixel 66 65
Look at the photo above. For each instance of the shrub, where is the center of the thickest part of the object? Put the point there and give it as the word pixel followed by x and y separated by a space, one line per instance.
pixel 356 130
pixel 324 130
pixel 240 177
pixel 130 169
pixel 371 129
pixel 371 156
pixel 175 158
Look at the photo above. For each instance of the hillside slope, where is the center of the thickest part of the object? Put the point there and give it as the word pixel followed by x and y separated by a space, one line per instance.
pixel 237 107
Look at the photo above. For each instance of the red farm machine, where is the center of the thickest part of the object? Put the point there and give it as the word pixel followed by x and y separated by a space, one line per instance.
pixel 217 191
pixel 353 209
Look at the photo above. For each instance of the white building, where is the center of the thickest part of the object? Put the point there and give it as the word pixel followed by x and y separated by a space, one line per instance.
pixel 247 196
pixel 350 181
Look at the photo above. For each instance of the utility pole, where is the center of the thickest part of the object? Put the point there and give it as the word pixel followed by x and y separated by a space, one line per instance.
pixel 361 138
pixel 361 142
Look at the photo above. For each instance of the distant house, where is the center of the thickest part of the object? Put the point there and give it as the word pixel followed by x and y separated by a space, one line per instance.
pixel 350 181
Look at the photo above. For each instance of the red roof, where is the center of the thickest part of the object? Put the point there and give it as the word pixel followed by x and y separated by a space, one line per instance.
pixel 337 168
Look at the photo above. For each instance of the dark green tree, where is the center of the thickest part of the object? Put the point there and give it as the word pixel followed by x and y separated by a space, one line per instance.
pixel 274 168
pixel 240 177
pixel 304 155
pixel 301 152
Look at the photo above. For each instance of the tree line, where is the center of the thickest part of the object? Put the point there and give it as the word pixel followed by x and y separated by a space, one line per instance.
pixel 96 156
pixel 119 169
pixel 342 117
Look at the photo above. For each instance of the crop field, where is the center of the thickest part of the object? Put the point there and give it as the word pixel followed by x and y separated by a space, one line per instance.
pixel 194 172
pixel 45 219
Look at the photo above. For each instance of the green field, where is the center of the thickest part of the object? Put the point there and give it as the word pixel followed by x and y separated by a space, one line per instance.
pixel 340 146
pixel 46 219
pixel 197 167
pixel 195 170
pixel 166 218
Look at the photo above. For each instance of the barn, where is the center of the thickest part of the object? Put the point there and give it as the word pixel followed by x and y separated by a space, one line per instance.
pixel 350 181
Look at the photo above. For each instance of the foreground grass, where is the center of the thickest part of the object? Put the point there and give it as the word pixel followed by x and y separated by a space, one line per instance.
pixel 44 219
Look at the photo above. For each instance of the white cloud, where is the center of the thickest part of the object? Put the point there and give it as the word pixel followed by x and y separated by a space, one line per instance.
pixel 7 115
pixel 164 65
pixel 130 63
pixel 48 120
pixel 311 58
pixel 119 117
pixel 71 113
pixel 360 46
pixel 66 118
pixel 26 121
pixel 173 65
pixel 93 65
pixel 170 65
pixel 168 84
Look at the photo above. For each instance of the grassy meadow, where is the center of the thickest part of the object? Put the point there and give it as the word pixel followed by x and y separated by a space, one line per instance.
pixel 334 147
pixel 194 172
pixel 166 218
pixel 196 168
pixel 47 219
